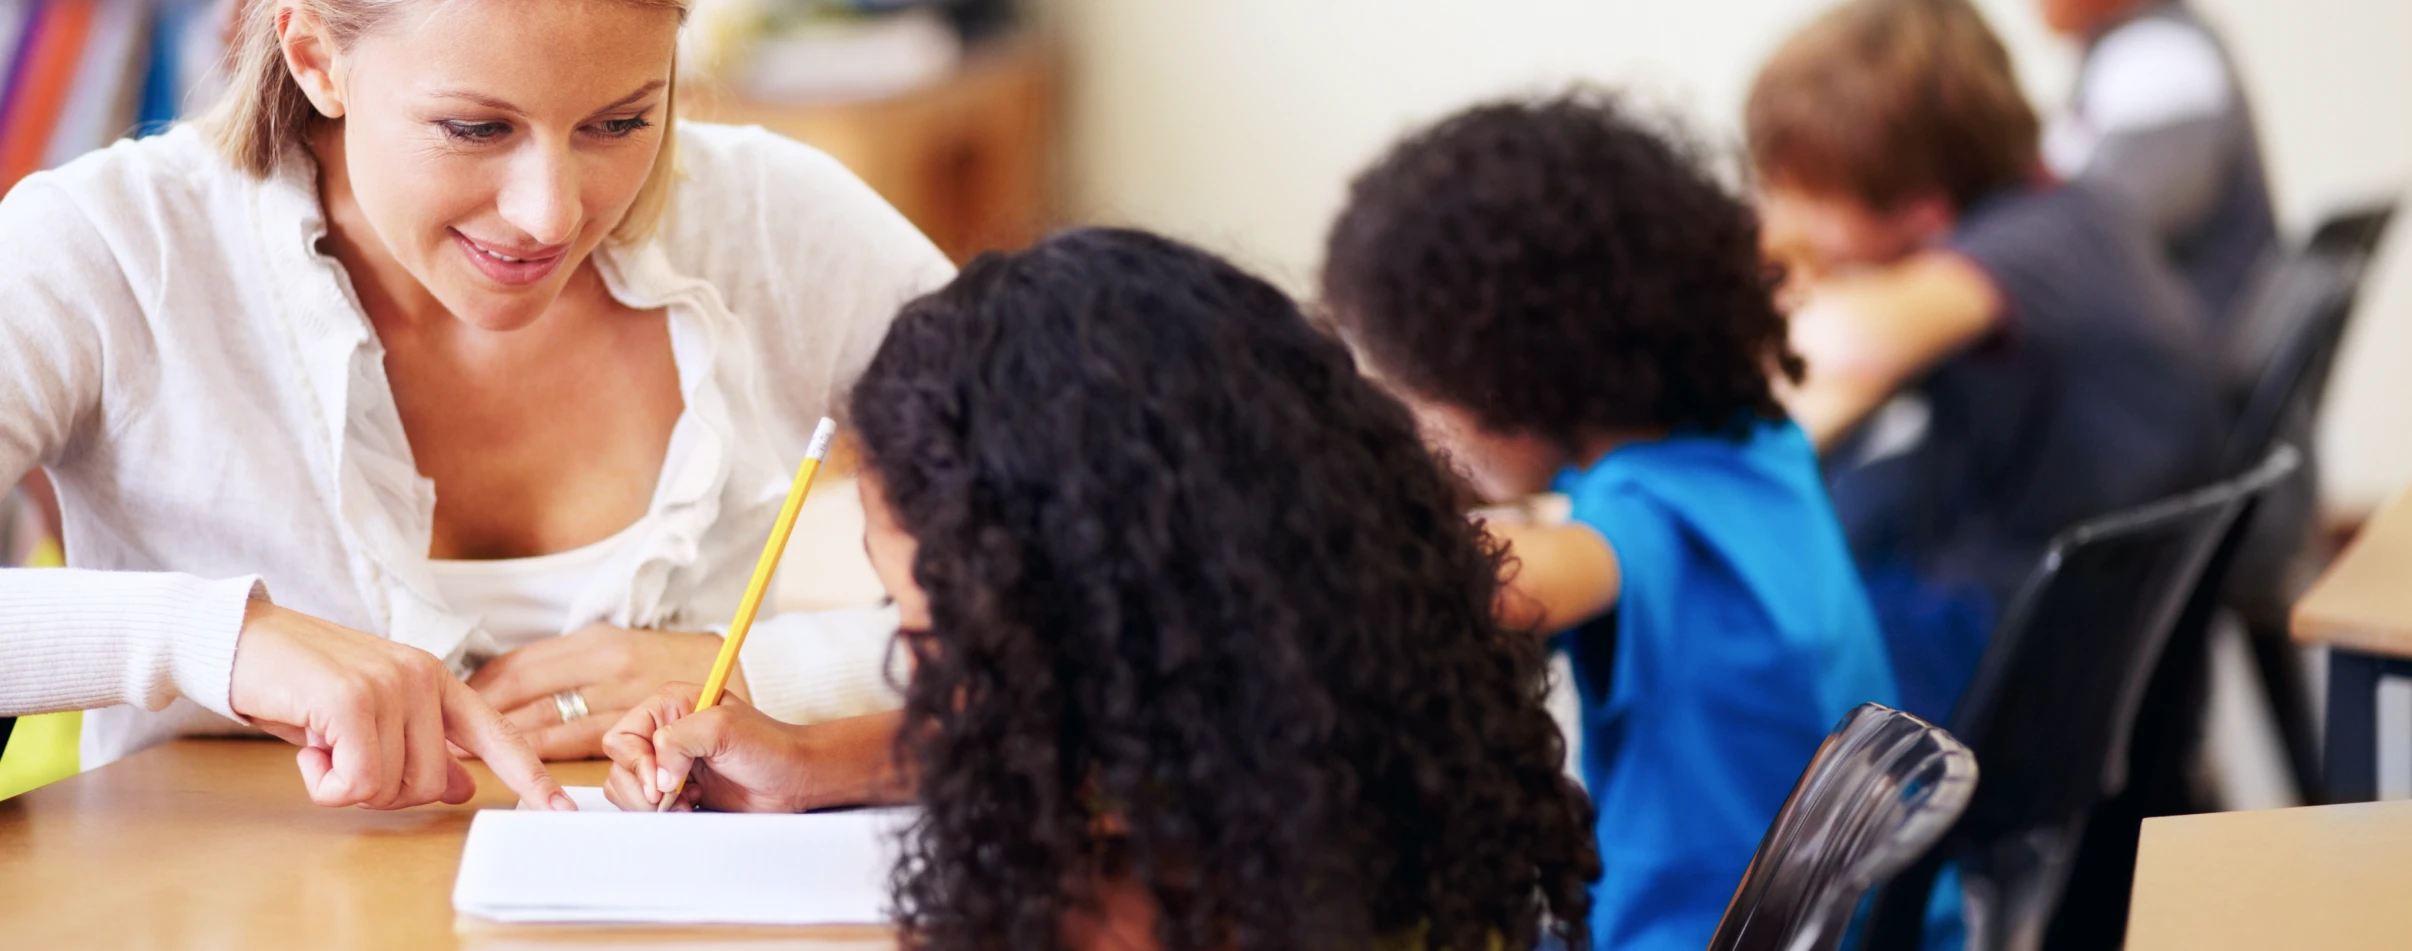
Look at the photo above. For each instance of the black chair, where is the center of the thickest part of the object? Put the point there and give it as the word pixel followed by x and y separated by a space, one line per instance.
pixel 2355 229
pixel 2280 355
pixel 2052 707
pixel 1881 789
pixel 2279 364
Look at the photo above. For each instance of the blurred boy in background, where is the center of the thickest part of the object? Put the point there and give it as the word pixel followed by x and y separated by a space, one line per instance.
pixel 1992 357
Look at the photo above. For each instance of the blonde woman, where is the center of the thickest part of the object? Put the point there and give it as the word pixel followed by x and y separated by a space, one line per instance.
pixel 426 353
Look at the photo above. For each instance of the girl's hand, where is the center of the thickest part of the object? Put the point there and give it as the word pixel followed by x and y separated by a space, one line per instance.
pixel 737 759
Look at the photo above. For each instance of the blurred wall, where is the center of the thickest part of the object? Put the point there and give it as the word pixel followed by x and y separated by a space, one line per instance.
pixel 1236 123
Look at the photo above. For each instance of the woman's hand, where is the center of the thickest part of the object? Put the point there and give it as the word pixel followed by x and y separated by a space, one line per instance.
pixel 612 668
pixel 372 716
pixel 739 760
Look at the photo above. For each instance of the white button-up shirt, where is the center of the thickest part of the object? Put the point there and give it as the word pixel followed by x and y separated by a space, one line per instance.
pixel 201 383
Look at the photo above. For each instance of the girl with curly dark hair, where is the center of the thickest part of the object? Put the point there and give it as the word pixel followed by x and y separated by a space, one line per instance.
pixel 1567 298
pixel 1203 653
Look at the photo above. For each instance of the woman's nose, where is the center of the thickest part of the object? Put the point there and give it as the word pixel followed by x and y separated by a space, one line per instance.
pixel 540 197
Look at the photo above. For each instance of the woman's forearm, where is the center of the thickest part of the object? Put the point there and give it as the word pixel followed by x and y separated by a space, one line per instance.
pixel 80 640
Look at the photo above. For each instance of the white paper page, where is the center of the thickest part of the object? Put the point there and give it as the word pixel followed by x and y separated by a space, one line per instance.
pixel 679 868
pixel 588 798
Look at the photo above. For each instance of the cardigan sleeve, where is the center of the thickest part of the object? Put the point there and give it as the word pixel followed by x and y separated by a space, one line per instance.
pixel 806 667
pixel 84 639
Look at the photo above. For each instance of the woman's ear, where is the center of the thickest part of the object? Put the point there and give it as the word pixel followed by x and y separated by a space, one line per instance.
pixel 310 55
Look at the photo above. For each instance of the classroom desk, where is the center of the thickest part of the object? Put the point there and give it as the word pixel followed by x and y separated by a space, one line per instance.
pixel 2361 610
pixel 2328 877
pixel 213 844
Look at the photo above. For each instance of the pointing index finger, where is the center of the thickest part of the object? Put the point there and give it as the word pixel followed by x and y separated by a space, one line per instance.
pixel 471 723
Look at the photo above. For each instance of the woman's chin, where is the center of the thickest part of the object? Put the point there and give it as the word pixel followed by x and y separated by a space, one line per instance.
pixel 502 313
pixel 500 309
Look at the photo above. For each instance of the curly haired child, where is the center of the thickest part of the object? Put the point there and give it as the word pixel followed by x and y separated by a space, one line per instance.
pixel 1203 653
pixel 1567 299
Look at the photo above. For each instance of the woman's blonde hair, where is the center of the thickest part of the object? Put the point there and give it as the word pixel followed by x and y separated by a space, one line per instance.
pixel 264 111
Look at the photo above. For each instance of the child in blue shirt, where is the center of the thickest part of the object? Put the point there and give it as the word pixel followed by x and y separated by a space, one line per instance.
pixel 1569 300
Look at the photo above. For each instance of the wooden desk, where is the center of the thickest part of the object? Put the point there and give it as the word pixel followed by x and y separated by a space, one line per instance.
pixel 2327 877
pixel 2361 609
pixel 212 843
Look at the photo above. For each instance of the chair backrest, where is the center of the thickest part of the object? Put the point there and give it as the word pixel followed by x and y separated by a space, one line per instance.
pixel 1880 791
pixel 2053 702
pixel 2286 344
pixel 2355 229
pixel 2053 705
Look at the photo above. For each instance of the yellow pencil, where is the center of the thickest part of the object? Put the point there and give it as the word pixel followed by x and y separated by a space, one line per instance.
pixel 816 451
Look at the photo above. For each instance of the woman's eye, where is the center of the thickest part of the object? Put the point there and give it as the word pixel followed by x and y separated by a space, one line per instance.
pixel 474 131
pixel 621 128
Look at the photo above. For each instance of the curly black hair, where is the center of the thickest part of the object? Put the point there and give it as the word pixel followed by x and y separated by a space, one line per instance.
pixel 1204 621
pixel 1556 267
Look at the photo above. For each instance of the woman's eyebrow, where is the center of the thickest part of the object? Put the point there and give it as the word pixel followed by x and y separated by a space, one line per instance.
pixel 502 106
pixel 640 93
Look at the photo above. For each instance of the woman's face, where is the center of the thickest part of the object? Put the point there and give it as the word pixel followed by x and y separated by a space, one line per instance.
pixel 492 144
pixel 891 552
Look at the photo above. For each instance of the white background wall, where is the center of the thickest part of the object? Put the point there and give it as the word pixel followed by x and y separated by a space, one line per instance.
pixel 1236 123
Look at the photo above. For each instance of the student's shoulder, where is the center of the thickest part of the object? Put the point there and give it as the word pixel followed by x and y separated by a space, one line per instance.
pixel 1681 461
pixel 1701 477
pixel 2052 228
pixel 2153 71
pixel 1692 479
pixel 2074 247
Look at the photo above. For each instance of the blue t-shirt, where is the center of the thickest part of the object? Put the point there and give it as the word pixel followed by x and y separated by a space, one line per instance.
pixel 1740 637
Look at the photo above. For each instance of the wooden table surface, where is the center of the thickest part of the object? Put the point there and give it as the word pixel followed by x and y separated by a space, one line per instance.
pixel 213 844
pixel 2364 600
pixel 2329 877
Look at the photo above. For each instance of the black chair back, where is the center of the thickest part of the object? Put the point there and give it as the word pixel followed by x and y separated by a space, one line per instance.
pixel 2054 703
pixel 2287 346
pixel 2356 229
pixel 2278 365
pixel 1882 788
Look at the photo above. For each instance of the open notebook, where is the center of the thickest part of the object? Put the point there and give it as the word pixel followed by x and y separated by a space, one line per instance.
pixel 600 865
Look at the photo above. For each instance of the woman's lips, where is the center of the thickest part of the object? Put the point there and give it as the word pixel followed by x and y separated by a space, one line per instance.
pixel 509 266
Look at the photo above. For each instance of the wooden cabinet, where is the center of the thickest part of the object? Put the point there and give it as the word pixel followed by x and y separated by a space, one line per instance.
pixel 971 159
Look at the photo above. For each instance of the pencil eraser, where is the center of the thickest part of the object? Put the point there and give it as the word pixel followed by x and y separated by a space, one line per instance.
pixel 821 435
